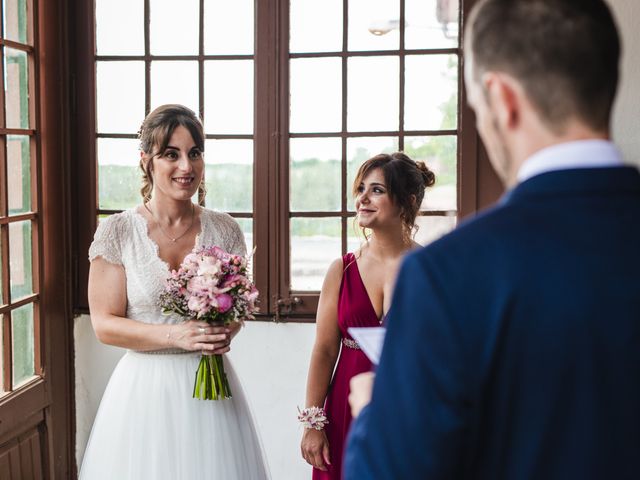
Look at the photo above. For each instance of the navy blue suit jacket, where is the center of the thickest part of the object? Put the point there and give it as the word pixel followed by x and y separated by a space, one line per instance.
pixel 513 343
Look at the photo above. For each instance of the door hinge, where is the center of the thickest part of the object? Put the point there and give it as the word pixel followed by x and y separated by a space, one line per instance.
pixel 284 307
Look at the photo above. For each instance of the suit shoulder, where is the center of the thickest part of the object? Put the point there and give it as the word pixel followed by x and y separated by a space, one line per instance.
pixel 485 235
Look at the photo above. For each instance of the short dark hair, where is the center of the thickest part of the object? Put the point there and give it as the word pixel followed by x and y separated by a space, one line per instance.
pixel 404 178
pixel 564 52
pixel 155 134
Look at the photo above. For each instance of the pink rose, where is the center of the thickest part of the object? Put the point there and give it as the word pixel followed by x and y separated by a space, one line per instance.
pixel 198 286
pixel 208 266
pixel 198 305
pixel 224 301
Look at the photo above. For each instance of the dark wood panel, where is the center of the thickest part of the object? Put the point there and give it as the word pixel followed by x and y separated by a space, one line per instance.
pixel 22 410
pixel 21 458
pixel 54 38
pixel 5 467
pixel 31 459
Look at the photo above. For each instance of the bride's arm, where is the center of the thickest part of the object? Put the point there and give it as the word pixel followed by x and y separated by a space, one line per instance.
pixel 108 307
pixel 314 446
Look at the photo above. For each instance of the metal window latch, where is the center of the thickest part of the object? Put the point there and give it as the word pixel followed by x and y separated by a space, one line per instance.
pixel 285 306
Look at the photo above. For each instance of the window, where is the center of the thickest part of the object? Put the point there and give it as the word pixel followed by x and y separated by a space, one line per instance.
pixel 36 367
pixel 294 95
pixel 156 60
pixel 19 222
pixel 365 77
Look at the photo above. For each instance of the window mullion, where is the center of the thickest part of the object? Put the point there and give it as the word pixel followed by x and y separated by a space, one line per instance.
pixel 265 155
pixel 147 58
pixel 283 206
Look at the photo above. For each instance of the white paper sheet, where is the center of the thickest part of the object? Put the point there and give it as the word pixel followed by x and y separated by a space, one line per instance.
pixel 370 340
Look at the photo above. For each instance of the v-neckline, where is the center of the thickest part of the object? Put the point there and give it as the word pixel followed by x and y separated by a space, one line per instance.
pixel 154 245
pixel 380 319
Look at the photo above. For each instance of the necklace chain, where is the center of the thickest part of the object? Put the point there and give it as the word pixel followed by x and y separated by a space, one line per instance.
pixel 173 239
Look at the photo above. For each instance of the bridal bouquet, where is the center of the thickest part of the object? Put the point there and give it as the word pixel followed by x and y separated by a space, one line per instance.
pixel 214 286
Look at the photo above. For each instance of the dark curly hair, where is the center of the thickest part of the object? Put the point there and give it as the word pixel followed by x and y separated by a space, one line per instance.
pixel 406 181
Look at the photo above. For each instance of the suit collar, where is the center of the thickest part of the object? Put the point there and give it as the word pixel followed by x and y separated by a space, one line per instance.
pixel 592 153
pixel 579 180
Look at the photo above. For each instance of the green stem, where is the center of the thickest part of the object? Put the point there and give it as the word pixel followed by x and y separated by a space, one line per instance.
pixel 211 380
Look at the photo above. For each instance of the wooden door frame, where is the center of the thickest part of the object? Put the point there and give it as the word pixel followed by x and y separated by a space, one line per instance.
pixel 55 88
pixel 46 404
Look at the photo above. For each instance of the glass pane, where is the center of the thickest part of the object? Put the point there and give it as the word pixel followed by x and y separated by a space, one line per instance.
pixel 439 154
pixel 229 175
pixel 117 32
pixel 228 27
pixel 16 84
pixel 228 87
pixel 22 344
pixel 15 20
pixel 173 28
pixel 18 174
pixel 358 151
pixel 431 96
pixel 174 82
pixel 315 174
pixel 315 26
pixel 373 94
pixel 432 228
pixel 20 259
pixel 246 225
pixel 316 95
pixel 119 176
pixel 431 24
pixel 374 25
pixel 120 96
pixel 315 243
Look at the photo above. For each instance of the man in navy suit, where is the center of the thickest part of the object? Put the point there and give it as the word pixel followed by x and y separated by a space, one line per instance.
pixel 513 343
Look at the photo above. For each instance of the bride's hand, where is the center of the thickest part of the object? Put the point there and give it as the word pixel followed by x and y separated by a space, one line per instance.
pixel 234 328
pixel 315 448
pixel 194 335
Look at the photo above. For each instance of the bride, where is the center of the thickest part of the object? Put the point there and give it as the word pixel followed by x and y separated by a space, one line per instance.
pixel 148 425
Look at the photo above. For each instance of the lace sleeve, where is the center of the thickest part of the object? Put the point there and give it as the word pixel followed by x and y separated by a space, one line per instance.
pixel 237 244
pixel 106 241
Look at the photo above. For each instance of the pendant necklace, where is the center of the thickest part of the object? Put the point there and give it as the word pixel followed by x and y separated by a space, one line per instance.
pixel 173 239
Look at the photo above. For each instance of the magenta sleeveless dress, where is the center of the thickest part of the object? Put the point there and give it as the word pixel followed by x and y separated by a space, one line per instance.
pixel 354 310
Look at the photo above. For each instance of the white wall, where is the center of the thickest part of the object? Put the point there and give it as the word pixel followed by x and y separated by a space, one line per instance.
pixel 626 121
pixel 272 359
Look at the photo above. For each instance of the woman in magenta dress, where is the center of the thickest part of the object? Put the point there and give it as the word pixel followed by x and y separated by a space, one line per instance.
pixel 388 191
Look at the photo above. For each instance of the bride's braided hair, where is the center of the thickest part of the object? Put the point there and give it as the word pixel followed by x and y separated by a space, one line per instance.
pixel 155 133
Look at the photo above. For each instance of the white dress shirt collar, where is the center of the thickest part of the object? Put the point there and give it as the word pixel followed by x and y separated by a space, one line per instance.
pixel 578 154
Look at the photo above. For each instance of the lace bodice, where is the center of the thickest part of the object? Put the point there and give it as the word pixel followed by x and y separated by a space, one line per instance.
pixel 123 239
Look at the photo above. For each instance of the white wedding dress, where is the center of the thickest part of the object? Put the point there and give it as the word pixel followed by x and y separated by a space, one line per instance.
pixel 148 426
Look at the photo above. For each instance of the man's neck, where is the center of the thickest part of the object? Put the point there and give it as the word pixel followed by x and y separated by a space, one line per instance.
pixel 528 145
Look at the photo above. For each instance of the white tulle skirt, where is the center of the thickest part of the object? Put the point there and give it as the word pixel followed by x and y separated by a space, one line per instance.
pixel 149 427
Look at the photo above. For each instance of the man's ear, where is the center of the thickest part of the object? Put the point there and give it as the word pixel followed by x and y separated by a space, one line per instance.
pixel 503 97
